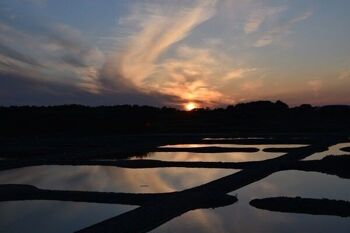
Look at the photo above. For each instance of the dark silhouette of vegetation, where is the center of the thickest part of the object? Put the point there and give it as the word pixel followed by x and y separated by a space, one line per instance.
pixel 304 206
pixel 260 116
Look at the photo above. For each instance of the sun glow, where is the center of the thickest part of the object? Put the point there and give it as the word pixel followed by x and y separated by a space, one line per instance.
pixel 190 106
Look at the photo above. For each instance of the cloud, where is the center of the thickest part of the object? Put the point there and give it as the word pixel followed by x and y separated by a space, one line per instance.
pixel 315 85
pixel 238 73
pixel 267 38
pixel 57 54
pixel 278 32
pixel 150 61
pixel 301 17
pixel 11 53
pixel 21 90
pixel 345 74
pixel 198 75
pixel 157 28
pixel 257 17
pixel 153 57
pixel 252 86
pixel 192 75
pixel 162 54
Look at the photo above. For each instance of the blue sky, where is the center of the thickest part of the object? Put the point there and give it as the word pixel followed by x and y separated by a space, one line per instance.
pixel 173 52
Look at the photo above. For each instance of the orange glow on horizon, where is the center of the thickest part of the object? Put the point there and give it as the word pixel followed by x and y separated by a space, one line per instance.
pixel 190 106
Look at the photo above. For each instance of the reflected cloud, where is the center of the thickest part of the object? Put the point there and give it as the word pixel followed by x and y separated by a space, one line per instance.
pixel 103 178
pixel 200 220
pixel 239 217
pixel 211 157
pixel 332 150
pixel 54 216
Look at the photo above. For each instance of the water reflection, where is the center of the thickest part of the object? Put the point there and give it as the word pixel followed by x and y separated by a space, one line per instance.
pixel 234 218
pixel 211 157
pixel 111 179
pixel 227 139
pixel 218 157
pixel 233 145
pixel 241 217
pixel 54 216
pixel 333 150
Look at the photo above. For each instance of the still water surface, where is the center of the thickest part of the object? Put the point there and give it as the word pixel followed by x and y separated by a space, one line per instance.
pixel 55 216
pixel 333 150
pixel 241 217
pixel 58 217
pixel 214 157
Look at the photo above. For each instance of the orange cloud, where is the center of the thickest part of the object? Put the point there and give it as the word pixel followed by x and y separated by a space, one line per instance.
pixel 189 74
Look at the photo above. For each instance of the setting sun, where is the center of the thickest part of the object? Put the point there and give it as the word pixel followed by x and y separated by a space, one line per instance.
pixel 190 106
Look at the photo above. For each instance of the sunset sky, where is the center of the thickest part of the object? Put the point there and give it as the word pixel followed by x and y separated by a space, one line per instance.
pixel 174 52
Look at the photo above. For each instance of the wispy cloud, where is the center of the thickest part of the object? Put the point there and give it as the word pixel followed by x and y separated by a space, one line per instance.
pixel 170 52
pixel 251 86
pixel 158 28
pixel 58 54
pixel 257 17
pixel 344 74
pixel 189 75
pixel 278 32
pixel 238 73
pixel 316 86
pixel 301 17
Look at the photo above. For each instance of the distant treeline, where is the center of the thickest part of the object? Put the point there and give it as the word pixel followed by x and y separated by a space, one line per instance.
pixel 260 117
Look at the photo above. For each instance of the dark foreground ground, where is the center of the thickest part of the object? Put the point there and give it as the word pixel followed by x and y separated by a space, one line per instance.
pixel 108 136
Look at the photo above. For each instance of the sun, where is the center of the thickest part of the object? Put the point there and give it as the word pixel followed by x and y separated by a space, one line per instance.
pixel 190 106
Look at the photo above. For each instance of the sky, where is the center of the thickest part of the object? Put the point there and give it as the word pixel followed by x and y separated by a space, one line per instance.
pixel 202 53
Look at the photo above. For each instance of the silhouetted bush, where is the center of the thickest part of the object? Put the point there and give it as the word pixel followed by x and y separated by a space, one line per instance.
pixel 259 116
